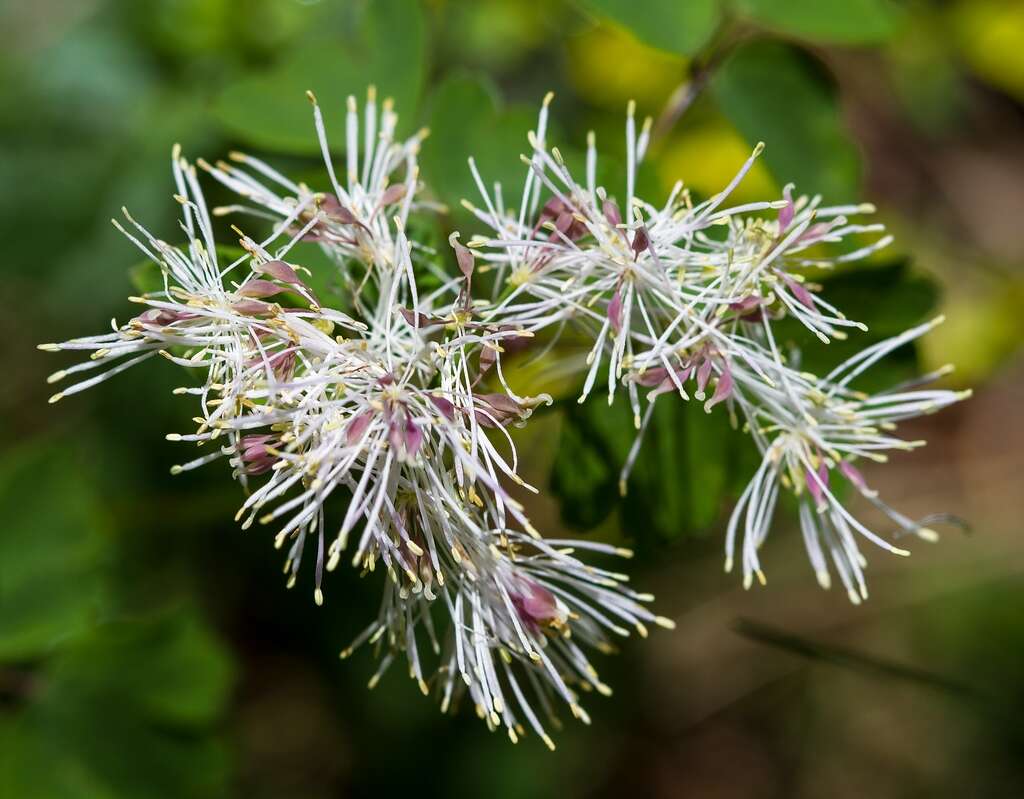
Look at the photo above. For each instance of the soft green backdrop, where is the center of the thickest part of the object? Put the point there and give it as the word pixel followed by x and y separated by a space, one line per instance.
pixel 148 648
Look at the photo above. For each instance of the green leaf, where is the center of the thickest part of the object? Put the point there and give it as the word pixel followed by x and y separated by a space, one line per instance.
pixel 688 461
pixel 170 669
pixel 671 25
pixel 771 93
pixel 52 552
pixel 126 713
pixel 888 298
pixel 467 119
pixel 826 21
pixel 269 109
pixel 594 442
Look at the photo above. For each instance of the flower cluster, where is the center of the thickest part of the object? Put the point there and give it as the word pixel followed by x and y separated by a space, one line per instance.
pixel 380 426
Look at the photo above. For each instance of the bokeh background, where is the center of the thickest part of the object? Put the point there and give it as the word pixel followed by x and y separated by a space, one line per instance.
pixel 148 648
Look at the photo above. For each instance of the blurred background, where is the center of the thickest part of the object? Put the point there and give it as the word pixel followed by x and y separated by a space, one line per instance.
pixel 148 647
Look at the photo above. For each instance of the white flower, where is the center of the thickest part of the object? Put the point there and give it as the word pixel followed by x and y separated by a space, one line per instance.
pixel 811 430
pixel 383 432
pixel 388 411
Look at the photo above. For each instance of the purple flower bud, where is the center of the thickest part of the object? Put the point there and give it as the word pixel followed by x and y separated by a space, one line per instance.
pixel 611 213
pixel 161 317
pixel 463 256
pixel 421 319
pixel 444 406
pixel 255 453
pixel 816 483
pixel 788 211
pixel 330 205
pixel 641 241
pixel 413 437
pixel 746 304
pixel 615 309
pixel 536 605
pixel 259 288
pixel 723 390
pixel 652 377
pixel 853 474
pixel 392 194
pixel 488 356
pixel 252 308
pixel 554 208
pixel 703 375
pixel 815 231
pixel 799 291
pixel 282 363
pixel 357 426
pixel 499 408
pixel 279 270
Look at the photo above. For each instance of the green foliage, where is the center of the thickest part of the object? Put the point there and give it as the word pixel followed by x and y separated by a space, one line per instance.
pixel 671 25
pixel 388 49
pixel 771 93
pixel 51 553
pixel 468 119
pixel 826 21
pixel 123 712
pixel 111 708
pixel 688 462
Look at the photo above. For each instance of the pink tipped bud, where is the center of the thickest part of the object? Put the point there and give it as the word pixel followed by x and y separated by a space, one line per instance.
pixel 255 453
pixel 259 288
pixel 252 308
pixel 788 211
pixel 641 241
pixel 444 406
pixel 722 391
pixel 278 270
pixel 611 213
pixel 412 438
pixel 817 482
pixel 161 317
pixel 463 256
pixel 615 310
pixel 853 474
pixel 703 375
pixel 536 605
pixel 800 291
pixel 392 194
pixel 357 427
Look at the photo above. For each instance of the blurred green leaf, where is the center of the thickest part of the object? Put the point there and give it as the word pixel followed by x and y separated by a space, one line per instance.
pixel 124 713
pixel 671 25
pixel 888 298
pixel 467 119
pixel 772 93
pixel 594 442
pixel 826 21
pixel 170 669
pixel 688 461
pixel 52 552
pixel 269 109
